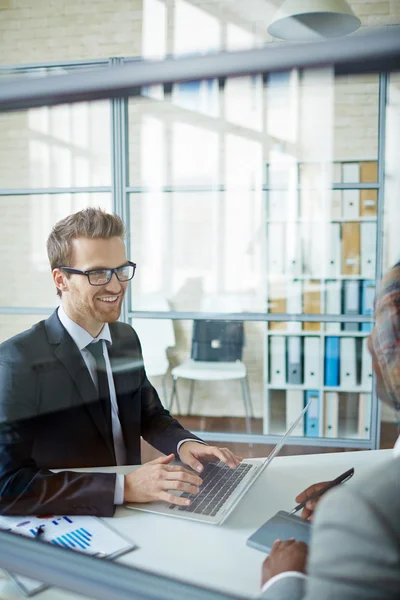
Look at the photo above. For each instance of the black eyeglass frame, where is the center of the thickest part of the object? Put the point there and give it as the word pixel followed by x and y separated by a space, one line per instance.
pixel 110 273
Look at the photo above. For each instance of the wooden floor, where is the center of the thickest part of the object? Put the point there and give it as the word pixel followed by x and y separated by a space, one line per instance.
pixel 389 435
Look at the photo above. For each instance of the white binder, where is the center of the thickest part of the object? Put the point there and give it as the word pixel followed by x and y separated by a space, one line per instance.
pixel 351 302
pixel 295 376
pixel 294 263
pixel 368 249
pixel 336 204
pixel 331 415
pixel 333 303
pixel 294 406
pixel 294 303
pixel 351 198
pixel 366 366
pixel 311 362
pixel 277 205
pixel 277 360
pixel 364 416
pixel 348 368
pixel 276 248
pixel 351 172
pixel 334 254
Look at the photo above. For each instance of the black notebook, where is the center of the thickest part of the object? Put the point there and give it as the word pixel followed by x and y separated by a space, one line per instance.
pixel 281 526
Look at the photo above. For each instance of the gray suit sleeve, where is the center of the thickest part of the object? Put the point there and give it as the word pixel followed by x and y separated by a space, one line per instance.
pixel 289 588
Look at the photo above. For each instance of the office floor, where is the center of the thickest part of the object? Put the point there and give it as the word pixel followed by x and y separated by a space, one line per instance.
pixel 236 424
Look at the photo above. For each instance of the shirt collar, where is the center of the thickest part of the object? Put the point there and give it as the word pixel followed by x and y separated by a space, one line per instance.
pixel 396 449
pixel 80 336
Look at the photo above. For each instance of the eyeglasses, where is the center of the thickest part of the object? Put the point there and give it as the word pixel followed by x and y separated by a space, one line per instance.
pixel 103 276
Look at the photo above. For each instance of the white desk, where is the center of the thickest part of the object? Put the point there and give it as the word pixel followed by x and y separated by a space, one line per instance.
pixel 218 556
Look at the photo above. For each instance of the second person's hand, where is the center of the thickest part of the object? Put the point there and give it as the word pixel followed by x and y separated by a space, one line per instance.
pixel 308 510
pixel 154 479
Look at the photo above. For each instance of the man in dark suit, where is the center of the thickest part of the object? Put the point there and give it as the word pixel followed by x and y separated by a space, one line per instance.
pixel 74 392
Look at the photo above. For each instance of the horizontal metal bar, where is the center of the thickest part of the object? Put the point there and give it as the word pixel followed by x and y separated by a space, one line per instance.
pixel 375 51
pixel 91 576
pixel 248 316
pixel 178 189
pixel 253 438
pixel 45 191
pixel 54 65
pixel 25 310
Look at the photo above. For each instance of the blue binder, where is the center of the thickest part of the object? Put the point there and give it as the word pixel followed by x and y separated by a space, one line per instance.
pixel 332 354
pixel 311 427
pixel 367 302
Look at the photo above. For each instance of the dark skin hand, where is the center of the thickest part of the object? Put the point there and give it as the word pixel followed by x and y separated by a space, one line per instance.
pixel 309 509
pixel 284 556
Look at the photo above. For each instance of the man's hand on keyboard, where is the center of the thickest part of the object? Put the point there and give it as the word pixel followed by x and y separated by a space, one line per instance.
pixel 194 454
pixel 154 480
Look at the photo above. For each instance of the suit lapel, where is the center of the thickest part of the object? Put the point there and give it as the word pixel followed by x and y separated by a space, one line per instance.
pixel 69 355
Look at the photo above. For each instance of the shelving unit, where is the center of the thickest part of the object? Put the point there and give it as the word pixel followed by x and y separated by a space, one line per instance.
pixel 317 251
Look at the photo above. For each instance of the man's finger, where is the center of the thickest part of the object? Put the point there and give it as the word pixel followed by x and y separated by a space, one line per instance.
pixel 312 489
pixel 172 499
pixel 183 475
pixel 194 464
pixel 219 453
pixel 162 460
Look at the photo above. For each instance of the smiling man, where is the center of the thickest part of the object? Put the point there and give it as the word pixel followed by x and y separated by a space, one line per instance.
pixel 74 391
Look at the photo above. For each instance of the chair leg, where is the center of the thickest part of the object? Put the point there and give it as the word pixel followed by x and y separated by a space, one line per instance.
pixel 246 407
pixel 249 397
pixel 173 394
pixel 191 397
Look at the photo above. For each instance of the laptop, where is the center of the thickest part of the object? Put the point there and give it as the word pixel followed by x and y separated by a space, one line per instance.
pixel 222 488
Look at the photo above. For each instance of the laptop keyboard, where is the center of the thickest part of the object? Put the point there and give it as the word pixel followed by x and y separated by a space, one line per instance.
pixel 219 481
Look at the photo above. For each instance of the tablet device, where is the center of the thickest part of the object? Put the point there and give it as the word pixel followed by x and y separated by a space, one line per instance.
pixel 281 526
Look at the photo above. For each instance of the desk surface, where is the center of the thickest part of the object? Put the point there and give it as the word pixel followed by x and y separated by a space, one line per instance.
pixel 188 550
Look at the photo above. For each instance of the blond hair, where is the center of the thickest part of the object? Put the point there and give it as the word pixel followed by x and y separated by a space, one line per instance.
pixel 92 223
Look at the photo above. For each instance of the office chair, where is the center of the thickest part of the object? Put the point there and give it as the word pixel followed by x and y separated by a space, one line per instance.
pixel 216 355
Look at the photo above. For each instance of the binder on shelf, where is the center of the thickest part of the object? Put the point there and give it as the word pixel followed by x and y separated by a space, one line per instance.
pixel 364 416
pixel 351 172
pixel 368 249
pixel 369 171
pixel 351 302
pixel 366 366
pixel 351 198
pixel 332 359
pixel 331 415
pixel 295 375
pixel 333 303
pixel 368 203
pixel 277 303
pixel 294 406
pixel 311 361
pixel 294 303
pixel 311 428
pixel 277 360
pixel 336 204
pixel 367 302
pixel 337 172
pixel 350 248
pixel 333 267
pixel 276 248
pixel 348 363
pixel 294 264
pixel 311 303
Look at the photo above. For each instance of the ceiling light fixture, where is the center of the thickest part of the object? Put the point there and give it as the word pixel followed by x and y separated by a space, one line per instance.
pixel 308 20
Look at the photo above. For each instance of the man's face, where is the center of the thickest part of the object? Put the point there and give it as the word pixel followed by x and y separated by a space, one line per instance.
pixel 92 306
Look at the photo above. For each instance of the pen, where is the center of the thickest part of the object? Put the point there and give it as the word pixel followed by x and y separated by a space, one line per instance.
pixel 39 531
pixel 341 479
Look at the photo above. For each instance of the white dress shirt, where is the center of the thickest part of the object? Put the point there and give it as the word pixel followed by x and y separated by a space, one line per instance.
pixel 396 453
pixel 82 338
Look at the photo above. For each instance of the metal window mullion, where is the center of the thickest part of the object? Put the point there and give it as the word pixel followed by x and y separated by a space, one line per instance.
pixel 53 191
pixel 248 316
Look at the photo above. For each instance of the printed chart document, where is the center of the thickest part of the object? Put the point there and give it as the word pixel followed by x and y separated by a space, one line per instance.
pixel 88 535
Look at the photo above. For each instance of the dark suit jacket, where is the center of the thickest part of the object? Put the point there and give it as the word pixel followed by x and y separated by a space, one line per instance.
pixel 50 418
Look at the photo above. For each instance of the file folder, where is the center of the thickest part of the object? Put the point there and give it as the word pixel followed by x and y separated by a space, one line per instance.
pixel 277 360
pixel 336 204
pixel 276 248
pixel 311 303
pixel 332 355
pixel 312 415
pixel 350 248
pixel 294 406
pixel 331 415
pixel 366 366
pixel 294 263
pixel 367 302
pixel 333 303
pixel 368 203
pixel 351 172
pixel 364 416
pixel 295 375
pixel 368 249
pixel 348 363
pixel 312 361
pixel 277 303
pixel 333 266
pixel 351 198
pixel 351 302
pixel 294 303
pixel 369 171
